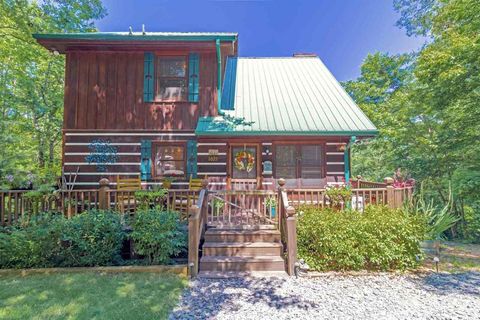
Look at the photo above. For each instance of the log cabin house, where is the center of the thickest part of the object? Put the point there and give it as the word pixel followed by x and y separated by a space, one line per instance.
pixel 181 105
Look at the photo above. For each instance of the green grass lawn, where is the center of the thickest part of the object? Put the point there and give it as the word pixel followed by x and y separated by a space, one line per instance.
pixel 89 295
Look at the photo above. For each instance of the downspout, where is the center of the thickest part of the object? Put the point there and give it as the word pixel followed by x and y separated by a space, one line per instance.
pixel 346 159
pixel 219 76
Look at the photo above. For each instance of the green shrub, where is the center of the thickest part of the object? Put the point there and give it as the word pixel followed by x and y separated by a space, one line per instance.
pixel 93 238
pixel 377 239
pixel 32 244
pixel 158 235
pixel 147 199
pixel 470 229
pixel 89 239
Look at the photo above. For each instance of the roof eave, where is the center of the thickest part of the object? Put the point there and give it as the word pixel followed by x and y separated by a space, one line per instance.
pixel 125 37
pixel 360 133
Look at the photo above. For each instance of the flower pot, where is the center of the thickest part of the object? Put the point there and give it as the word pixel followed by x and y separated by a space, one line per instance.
pixel 272 212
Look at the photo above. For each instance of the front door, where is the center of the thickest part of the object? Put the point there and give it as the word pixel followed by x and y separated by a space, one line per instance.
pixel 244 166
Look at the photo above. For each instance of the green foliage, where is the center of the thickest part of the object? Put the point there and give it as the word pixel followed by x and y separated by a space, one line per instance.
pixel 338 195
pixel 471 226
pixel 377 239
pixel 158 235
pixel 271 202
pixel 32 86
pixel 93 238
pixel 426 106
pixel 438 220
pixel 147 199
pixel 35 244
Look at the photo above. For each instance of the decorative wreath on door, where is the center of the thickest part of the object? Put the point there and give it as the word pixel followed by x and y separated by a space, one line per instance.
pixel 244 161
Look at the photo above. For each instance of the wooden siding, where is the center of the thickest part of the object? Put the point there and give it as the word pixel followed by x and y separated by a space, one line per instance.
pixel 218 170
pixel 128 145
pixel 104 91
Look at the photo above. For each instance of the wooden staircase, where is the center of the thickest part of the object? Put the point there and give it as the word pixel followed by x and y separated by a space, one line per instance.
pixel 228 251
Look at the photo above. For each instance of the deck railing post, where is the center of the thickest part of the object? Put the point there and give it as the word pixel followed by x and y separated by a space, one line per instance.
pixel 193 239
pixel 291 226
pixel 390 193
pixel 103 194
pixel 288 227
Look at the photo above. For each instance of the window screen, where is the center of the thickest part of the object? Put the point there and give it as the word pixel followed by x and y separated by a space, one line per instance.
pixel 169 160
pixel 171 79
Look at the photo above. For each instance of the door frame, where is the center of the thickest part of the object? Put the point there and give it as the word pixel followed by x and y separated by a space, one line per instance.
pixel 258 161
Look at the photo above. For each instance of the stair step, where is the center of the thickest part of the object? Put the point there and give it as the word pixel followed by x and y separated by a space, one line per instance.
pixel 241 274
pixel 213 235
pixel 248 263
pixel 227 227
pixel 242 249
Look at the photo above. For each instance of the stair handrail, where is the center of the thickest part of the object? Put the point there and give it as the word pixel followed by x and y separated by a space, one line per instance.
pixel 197 218
pixel 288 227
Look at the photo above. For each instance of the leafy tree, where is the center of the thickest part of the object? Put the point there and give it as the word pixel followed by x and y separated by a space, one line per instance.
pixel 427 105
pixel 31 84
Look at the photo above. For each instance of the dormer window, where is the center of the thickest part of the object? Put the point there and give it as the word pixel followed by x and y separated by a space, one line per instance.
pixel 171 78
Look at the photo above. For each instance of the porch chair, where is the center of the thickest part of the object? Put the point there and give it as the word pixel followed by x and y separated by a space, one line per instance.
pixel 181 201
pixel 126 188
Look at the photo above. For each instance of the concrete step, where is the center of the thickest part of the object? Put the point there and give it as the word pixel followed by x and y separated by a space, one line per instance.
pixel 241 264
pixel 213 235
pixel 242 249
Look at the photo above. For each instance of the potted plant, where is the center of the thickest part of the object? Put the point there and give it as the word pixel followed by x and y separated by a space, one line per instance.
pixel 271 203
pixel 167 182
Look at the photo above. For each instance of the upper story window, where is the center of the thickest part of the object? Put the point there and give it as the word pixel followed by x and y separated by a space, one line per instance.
pixel 171 78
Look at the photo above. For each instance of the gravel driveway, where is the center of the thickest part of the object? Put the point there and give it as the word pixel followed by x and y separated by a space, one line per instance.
pixel 434 296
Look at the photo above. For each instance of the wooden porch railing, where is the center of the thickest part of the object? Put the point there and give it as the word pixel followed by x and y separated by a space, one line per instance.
pixel 242 207
pixel 288 227
pixel 388 195
pixel 196 228
pixel 14 205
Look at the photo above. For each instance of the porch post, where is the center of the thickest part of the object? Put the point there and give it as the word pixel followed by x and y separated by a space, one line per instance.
pixel 346 159
pixel 390 193
pixel 103 195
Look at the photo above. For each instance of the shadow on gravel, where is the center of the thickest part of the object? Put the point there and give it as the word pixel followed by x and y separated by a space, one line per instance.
pixel 208 297
pixel 457 283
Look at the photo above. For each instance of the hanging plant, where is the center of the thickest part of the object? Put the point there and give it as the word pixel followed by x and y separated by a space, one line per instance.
pixel 244 161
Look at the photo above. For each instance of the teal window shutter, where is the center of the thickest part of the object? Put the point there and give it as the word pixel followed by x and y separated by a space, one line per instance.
pixel 193 77
pixel 146 160
pixel 148 76
pixel 192 158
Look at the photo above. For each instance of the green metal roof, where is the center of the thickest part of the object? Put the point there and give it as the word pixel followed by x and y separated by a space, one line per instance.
pixel 139 36
pixel 285 96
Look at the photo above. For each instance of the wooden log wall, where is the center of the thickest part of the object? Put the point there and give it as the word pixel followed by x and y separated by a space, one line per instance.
pixel 128 145
pixel 217 168
pixel 104 90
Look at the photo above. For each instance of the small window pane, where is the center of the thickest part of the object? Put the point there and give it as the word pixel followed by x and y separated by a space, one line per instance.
pixel 244 163
pixel 172 66
pixel 171 89
pixel 169 161
pixel 285 162
pixel 311 162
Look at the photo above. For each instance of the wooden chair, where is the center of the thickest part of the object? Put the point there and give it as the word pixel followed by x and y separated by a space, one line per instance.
pixel 181 201
pixel 126 188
